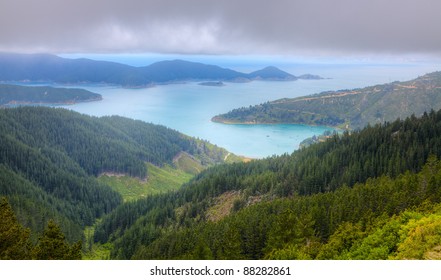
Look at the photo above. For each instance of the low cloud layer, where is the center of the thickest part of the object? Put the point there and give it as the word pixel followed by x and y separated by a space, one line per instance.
pixel 319 27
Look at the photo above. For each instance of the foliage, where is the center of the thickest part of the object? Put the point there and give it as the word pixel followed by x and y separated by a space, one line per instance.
pixel 53 246
pixel 34 206
pixel 49 160
pixel 369 194
pixel 420 238
pixel 341 186
pixel 15 243
pixel 368 221
pixel 14 239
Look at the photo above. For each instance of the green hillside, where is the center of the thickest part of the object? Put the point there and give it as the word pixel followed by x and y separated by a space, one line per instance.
pixel 160 179
pixel 381 219
pixel 368 194
pixel 50 160
pixel 348 108
pixel 331 200
pixel 12 95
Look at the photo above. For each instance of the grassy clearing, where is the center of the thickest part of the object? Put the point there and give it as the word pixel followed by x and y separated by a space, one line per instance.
pixel 166 178
pixel 160 179
pixel 223 206
pixel 188 163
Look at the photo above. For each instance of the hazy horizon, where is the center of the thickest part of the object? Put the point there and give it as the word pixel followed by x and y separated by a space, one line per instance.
pixel 249 63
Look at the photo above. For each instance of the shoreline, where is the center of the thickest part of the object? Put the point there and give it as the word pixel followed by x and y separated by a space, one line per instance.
pixel 14 103
pixel 215 120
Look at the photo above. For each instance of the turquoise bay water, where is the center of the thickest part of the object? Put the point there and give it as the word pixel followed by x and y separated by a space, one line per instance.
pixel 189 107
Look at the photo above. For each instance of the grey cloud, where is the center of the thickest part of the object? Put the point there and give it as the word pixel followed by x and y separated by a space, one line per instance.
pixel 198 26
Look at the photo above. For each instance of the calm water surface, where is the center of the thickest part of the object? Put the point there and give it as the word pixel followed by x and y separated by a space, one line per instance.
pixel 189 107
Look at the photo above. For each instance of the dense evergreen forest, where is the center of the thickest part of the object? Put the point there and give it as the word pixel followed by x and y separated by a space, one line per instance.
pixel 373 193
pixel 352 108
pixel 15 243
pixel 337 199
pixel 50 159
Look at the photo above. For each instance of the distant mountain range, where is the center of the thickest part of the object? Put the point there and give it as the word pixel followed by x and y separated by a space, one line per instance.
pixel 52 68
pixel 347 108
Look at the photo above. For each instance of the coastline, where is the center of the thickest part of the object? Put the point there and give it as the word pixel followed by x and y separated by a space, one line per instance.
pixel 216 119
pixel 15 103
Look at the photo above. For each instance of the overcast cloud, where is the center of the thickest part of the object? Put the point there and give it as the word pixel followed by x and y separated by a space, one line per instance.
pixel 318 27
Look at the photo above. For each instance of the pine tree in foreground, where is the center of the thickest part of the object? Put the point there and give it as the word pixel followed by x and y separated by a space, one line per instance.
pixel 14 239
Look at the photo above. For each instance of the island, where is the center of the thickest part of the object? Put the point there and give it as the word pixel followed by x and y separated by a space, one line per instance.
pixel 212 84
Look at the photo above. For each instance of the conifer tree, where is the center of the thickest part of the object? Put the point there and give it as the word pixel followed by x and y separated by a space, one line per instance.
pixel 14 239
pixel 52 245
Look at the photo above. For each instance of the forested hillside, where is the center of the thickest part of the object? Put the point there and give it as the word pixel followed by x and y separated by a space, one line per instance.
pixel 348 108
pixel 50 159
pixel 383 218
pixel 368 194
pixel 13 95
pixel 15 243
pixel 325 201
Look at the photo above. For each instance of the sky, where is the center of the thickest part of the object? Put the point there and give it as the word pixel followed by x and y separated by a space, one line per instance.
pixel 401 28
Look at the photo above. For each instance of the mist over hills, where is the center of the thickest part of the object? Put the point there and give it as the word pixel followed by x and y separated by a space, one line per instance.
pixel 52 68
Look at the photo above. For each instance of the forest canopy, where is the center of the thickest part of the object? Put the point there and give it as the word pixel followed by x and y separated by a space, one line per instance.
pixel 366 194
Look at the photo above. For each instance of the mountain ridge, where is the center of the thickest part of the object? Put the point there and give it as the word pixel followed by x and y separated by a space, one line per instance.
pixel 52 68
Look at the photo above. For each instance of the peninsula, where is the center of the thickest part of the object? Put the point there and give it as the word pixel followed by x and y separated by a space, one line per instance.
pixel 352 108
pixel 12 95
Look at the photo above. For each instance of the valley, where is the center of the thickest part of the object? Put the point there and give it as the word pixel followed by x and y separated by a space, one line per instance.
pixel 129 189
pixel 331 200
pixel 220 139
